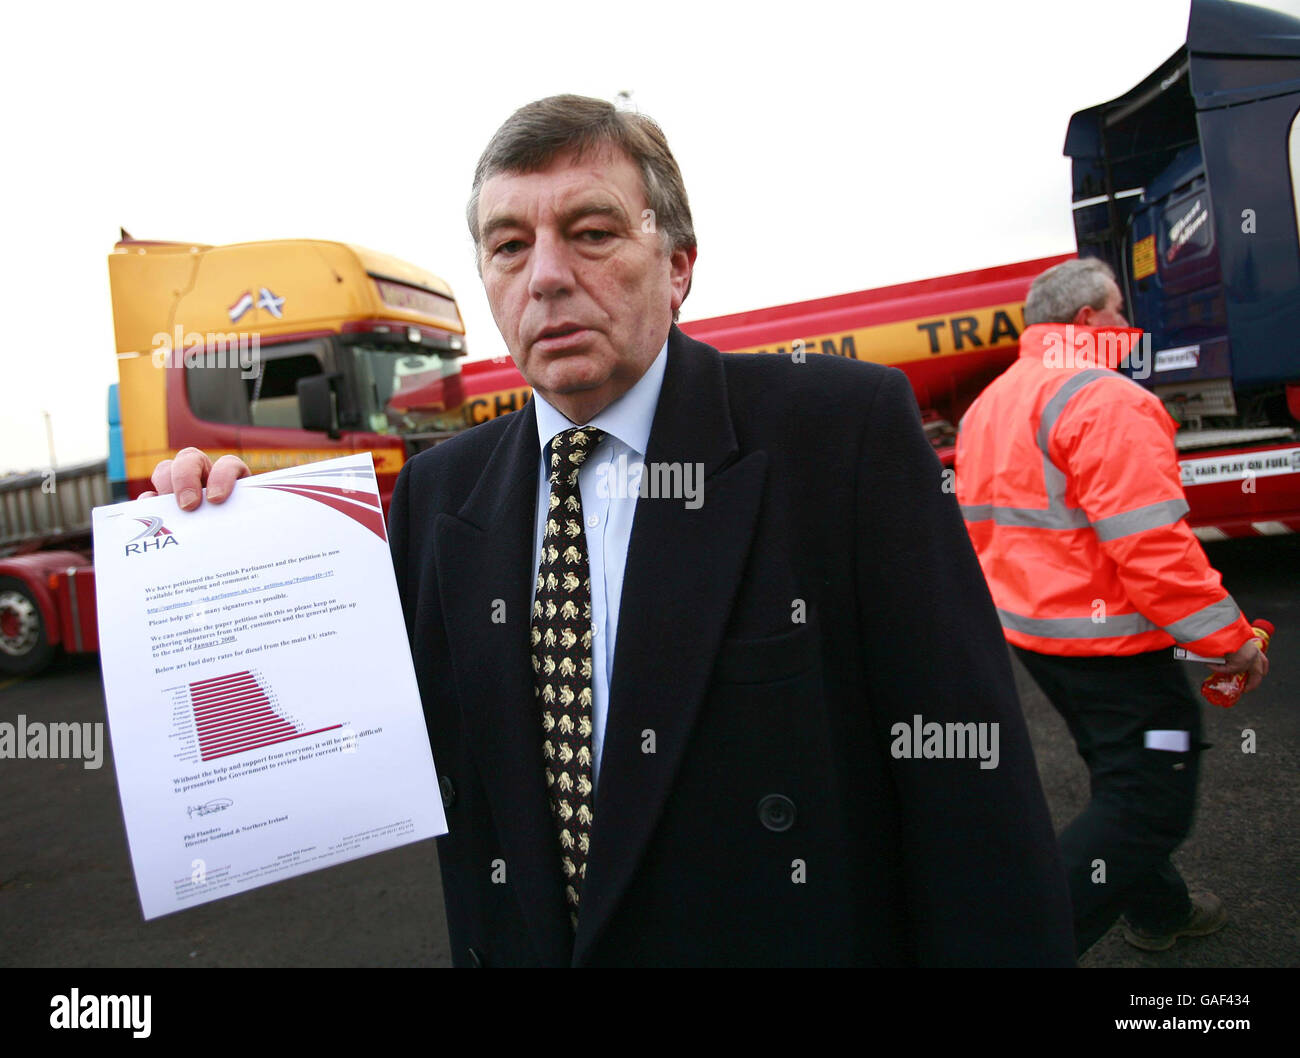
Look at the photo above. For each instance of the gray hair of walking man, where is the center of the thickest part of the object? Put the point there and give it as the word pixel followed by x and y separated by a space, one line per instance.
pixel 1058 294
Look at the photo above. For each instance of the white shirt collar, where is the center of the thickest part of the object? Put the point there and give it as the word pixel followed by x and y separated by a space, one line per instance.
pixel 629 418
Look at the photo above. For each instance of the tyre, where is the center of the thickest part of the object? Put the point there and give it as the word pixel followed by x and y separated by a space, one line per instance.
pixel 25 647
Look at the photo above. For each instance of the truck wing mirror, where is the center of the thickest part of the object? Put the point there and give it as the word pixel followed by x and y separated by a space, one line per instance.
pixel 315 404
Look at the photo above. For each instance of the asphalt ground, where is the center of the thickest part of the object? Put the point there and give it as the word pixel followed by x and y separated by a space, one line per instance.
pixel 68 899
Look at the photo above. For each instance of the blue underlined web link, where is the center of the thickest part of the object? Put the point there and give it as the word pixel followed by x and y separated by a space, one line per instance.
pixel 259 589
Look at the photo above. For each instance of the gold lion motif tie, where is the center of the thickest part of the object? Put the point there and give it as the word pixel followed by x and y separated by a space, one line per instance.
pixel 561 649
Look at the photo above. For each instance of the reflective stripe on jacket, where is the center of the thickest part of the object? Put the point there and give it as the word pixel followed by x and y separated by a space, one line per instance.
pixel 1067 477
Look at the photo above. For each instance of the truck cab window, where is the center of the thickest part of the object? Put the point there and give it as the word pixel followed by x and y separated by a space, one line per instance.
pixel 273 394
pixel 260 392
pixel 215 392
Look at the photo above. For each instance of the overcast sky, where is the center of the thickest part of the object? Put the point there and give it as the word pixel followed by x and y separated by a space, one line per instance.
pixel 826 147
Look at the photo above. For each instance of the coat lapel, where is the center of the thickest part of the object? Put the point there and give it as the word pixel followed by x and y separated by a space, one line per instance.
pixel 485 554
pixel 681 578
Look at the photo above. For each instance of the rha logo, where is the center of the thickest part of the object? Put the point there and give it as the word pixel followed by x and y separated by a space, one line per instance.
pixel 101 1012
pixel 154 537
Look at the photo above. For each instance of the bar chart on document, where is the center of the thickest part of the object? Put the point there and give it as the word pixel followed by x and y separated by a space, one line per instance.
pixel 223 716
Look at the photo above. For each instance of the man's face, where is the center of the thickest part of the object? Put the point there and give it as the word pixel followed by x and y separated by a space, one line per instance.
pixel 582 296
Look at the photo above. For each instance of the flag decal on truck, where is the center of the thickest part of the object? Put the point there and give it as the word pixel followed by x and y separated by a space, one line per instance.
pixel 270 302
pixel 241 305
pixel 266 299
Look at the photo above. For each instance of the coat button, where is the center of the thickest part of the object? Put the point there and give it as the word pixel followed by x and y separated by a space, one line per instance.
pixel 776 812
pixel 448 791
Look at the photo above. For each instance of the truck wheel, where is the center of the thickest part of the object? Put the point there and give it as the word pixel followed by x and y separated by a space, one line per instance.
pixel 25 647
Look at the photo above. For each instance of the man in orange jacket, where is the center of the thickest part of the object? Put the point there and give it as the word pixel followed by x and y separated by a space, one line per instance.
pixel 1068 481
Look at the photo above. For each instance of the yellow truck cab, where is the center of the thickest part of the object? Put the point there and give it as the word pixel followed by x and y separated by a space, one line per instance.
pixel 282 353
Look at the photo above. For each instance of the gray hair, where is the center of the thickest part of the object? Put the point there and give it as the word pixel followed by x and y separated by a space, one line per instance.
pixel 536 134
pixel 1058 294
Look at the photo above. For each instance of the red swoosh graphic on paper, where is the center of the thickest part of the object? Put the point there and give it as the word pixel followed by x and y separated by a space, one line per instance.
pixel 356 495
pixel 333 496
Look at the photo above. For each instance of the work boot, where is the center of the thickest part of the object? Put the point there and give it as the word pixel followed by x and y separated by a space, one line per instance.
pixel 1207 916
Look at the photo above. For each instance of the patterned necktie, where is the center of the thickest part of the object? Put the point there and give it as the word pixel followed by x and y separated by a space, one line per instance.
pixel 561 649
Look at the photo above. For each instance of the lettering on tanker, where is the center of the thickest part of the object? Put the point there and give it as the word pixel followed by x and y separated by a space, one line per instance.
pixel 964 332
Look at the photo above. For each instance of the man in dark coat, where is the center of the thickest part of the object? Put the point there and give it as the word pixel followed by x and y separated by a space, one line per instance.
pixel 778 725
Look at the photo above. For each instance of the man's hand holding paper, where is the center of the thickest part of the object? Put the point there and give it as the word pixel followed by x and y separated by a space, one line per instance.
pixel 262 705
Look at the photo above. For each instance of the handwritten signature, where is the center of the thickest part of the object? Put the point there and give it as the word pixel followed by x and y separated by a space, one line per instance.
pixel 219 804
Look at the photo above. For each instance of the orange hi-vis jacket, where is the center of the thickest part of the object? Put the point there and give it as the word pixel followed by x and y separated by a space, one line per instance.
pixel 1067 477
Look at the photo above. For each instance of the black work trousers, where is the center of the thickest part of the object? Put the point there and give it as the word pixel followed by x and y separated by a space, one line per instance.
pixel 1117 850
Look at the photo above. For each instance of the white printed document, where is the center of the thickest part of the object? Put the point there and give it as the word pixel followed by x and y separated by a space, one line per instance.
pixel 262 704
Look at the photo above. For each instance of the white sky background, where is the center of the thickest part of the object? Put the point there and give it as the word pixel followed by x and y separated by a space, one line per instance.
pixel 826 147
